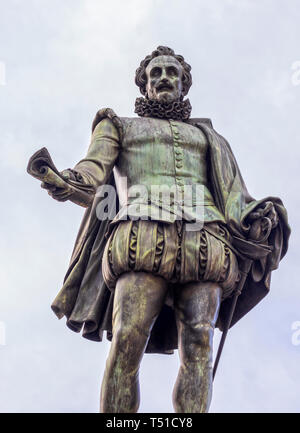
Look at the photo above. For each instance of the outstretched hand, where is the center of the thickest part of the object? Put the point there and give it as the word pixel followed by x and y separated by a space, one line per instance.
pixel 60 194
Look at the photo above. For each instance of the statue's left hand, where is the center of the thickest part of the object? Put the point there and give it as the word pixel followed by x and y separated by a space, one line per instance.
pixel 262 221
pixel 268 211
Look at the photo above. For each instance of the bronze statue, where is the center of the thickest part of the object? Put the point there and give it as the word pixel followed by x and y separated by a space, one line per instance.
pixel 147 275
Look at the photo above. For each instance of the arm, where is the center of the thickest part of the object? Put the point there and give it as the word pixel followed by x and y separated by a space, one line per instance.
pixel 93 170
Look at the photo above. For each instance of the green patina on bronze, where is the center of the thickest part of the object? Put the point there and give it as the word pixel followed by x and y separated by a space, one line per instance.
pixel 161 287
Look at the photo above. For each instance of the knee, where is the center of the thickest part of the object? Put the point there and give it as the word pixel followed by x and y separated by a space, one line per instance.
pixel 196 342
pixel 126 351
pixel 130 338
pixel 202 334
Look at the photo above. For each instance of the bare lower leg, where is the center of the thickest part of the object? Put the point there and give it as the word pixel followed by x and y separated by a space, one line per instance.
pixel 138 300
pixel 197 311
pixel 193 388
pixel 120 386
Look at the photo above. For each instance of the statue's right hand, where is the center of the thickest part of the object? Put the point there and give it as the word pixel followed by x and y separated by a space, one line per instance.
pixel 60 194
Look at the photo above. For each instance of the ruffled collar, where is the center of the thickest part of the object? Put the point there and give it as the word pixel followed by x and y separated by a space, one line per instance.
pixel 176 110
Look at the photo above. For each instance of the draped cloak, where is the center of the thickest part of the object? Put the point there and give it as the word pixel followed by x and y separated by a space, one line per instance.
pixel 86 301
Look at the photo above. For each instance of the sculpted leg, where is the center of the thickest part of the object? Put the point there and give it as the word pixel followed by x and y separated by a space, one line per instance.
pixel 197 307
pixel 139 297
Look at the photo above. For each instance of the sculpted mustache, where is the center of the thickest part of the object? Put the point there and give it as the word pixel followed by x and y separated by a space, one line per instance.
pixel 164 85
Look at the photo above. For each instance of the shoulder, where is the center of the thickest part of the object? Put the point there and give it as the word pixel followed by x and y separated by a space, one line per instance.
pixel 205 124
pixel 197 121
pixel 107 121
pixel 106 128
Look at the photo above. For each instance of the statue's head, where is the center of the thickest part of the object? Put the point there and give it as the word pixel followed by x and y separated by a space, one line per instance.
pixel 164 76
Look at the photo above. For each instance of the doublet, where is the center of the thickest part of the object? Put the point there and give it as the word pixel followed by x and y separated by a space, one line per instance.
pixel 160 171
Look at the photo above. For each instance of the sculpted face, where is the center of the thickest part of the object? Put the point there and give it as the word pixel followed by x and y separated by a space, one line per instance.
pixel 164 79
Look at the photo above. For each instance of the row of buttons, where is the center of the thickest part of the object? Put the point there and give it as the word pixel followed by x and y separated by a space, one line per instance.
pixel 178 152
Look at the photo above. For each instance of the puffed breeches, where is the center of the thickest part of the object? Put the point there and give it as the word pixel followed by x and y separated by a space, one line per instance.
pixel 172 252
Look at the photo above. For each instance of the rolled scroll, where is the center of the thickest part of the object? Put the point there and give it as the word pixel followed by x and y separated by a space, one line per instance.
pixel 41 166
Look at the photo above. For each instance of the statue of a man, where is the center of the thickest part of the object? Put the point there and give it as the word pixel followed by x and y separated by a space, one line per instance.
pixel 146 275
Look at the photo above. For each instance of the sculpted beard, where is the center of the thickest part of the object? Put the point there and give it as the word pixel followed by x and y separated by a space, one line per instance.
pixel 176 110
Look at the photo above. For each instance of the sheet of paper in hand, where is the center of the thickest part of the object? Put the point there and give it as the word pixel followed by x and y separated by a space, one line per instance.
pixel 41 166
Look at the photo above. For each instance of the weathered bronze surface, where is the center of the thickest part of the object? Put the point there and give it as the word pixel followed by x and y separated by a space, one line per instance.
pixel 153 283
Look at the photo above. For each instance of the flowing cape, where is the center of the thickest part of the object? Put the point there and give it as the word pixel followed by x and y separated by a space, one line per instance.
pixel 86 301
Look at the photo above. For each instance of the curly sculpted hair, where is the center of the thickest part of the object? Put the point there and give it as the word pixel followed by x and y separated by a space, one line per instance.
pixel 141 78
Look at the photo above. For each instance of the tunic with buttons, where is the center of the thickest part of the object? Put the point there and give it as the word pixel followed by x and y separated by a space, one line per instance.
pixel 158 156
pixel 166 156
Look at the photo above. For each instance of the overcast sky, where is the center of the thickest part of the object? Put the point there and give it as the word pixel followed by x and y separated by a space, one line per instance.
pixel 62 60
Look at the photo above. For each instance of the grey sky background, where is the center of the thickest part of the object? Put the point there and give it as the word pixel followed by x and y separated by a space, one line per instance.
pixel 63 61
